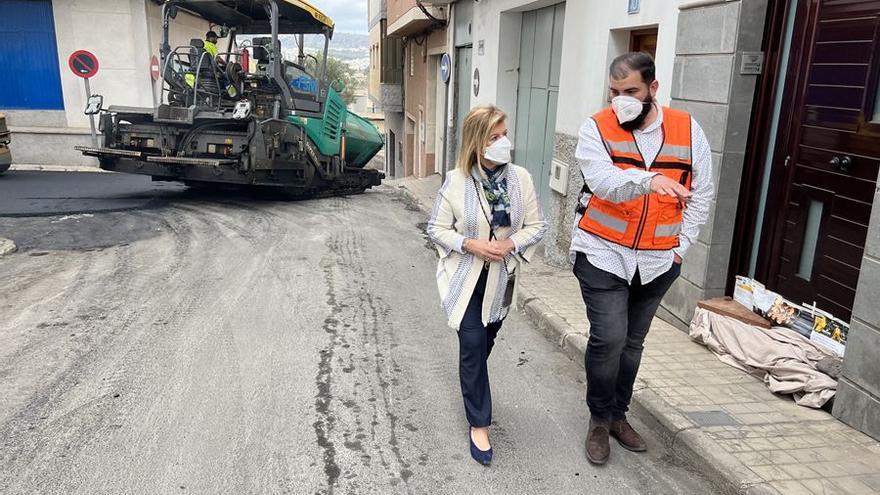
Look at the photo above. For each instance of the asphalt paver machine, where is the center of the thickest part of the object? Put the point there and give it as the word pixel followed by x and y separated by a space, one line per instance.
pixel 245 116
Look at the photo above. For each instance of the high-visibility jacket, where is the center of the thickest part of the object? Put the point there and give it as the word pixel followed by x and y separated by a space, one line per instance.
pixel 651 221
pixel 211 48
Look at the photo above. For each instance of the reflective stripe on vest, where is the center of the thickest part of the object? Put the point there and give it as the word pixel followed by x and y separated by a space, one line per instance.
pixel 667 230
pixel 607 220
pixel 622 147
pixel 649 222
pixel 680 152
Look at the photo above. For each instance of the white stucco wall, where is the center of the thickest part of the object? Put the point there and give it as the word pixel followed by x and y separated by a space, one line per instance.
pixel 113 31
pixel 587 52
pixel 588 46
pixel 123 35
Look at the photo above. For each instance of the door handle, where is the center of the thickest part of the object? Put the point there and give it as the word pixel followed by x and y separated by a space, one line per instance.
pixel 842 163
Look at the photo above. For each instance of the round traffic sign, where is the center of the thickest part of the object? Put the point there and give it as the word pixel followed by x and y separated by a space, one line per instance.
pixel 84 64
pixel 154 68
pixel 445 68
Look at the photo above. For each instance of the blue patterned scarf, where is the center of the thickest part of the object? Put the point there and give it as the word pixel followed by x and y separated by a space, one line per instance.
pixel 495 187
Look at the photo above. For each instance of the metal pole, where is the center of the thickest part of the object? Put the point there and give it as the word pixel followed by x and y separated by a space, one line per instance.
pixel 92 116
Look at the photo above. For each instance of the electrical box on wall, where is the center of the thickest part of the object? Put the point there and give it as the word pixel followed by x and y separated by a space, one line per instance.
pixel 559 177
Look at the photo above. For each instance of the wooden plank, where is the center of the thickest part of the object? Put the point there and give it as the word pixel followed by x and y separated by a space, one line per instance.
pixel 839 74
pixel 726 306
pixel 843 52
pixel 843 97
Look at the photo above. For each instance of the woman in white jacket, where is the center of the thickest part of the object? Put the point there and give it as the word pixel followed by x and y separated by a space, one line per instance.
pixel 485 222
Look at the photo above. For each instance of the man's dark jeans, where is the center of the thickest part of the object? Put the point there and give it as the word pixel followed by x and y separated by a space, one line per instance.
pixel 620 315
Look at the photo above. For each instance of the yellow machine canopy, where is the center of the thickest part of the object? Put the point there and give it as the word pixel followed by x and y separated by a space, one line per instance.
pixel 251 16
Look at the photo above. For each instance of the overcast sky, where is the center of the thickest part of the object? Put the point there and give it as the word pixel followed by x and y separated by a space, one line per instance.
pixel 350 16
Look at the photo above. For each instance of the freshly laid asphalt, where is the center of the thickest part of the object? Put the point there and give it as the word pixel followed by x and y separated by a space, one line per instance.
pixel 155 340
pixel 31 193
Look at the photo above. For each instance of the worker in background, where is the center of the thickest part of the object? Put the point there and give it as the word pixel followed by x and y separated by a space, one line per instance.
pixel 211 38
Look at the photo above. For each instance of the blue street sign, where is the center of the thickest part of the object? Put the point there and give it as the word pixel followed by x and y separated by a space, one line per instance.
pixel 445 68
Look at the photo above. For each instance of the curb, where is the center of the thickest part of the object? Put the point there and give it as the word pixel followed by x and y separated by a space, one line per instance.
pixel 677 433
pixel 24 167
pixel 7 247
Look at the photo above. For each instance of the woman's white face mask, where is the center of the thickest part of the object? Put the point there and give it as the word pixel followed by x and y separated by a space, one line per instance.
pixel 499 151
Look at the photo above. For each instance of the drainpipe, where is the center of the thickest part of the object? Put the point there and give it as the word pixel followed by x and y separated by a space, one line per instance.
pixel 450 97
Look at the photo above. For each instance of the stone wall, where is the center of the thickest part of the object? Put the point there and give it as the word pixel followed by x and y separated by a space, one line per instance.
pixel 858 393
pixel 707 83
pixel 711 37
pixel 561 213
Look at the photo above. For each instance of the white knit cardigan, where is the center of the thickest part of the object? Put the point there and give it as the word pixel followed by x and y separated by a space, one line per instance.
pixel 456 216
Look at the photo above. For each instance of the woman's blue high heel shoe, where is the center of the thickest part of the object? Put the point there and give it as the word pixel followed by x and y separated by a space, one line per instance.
pixel 484 457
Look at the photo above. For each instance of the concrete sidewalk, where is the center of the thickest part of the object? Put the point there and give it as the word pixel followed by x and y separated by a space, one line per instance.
pixel 725 423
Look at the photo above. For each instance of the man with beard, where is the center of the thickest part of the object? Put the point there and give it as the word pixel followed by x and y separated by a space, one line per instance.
pixel 647 189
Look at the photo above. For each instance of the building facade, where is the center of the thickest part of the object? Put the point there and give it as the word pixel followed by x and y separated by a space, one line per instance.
pixel 44 101
pixel 386 89
pixel 421 32
pixel 787 92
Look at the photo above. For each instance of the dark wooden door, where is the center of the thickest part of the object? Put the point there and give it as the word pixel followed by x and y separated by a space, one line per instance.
pixel 831 158
pixel 644 41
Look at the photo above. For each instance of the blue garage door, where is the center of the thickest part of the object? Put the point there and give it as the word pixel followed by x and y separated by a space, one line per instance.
pixel 28 56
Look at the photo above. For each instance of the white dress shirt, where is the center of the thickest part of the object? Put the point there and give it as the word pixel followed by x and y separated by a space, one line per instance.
pixel 611 183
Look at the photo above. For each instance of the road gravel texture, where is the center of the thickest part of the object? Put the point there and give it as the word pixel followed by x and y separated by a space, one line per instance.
pixel 231 345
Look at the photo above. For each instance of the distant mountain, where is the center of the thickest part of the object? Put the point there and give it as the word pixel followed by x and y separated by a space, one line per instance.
pixel 343 40
pixel 351 48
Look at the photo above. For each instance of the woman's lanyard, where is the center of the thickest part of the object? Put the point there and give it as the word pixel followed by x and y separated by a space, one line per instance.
pixel 492 236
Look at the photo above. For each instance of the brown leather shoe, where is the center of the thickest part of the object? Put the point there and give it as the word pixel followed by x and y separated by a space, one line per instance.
pixel 598 448
pixel 627 437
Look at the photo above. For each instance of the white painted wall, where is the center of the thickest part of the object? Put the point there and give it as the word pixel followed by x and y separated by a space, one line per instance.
pixel 589 45
pixel 110 30
pixel 123 34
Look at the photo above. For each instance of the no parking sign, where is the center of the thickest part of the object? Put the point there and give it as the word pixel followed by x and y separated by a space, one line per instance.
pixel 83 64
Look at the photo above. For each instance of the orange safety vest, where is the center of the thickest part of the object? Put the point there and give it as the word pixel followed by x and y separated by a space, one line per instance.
pixel 652 221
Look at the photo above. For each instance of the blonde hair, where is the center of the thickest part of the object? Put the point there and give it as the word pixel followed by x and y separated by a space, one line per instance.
pixel 475 132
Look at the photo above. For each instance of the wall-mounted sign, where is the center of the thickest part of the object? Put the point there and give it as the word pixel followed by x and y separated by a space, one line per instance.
pixel 634 7
pixel 752 63
pixel 476 82
pixel 154 68
pixel 445 68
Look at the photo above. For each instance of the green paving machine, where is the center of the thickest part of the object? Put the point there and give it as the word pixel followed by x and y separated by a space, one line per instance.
pixel 243 114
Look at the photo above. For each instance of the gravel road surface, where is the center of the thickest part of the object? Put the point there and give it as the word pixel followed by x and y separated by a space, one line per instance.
pixel 226 344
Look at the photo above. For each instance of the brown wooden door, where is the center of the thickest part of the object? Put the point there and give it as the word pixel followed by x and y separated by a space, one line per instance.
pixel 644 40
pixel 831 157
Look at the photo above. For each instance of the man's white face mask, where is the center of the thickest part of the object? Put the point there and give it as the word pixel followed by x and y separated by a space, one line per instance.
pixel 627 108
pixel 499 152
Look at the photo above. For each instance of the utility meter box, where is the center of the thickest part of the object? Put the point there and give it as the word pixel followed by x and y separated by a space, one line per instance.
pixel 559 177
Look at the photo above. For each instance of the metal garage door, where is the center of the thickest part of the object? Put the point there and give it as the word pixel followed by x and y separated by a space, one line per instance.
pixel 537 93
pixel 28 56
